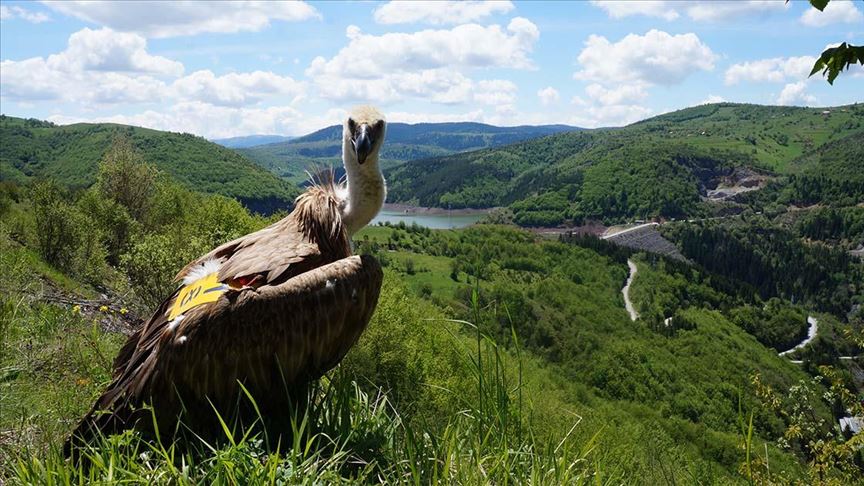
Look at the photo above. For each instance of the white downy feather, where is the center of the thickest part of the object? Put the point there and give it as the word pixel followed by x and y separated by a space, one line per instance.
pixel 202 270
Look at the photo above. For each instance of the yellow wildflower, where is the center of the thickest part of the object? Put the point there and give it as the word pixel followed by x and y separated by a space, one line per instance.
pixel 76 309
pixel 123 311
pixel 103 308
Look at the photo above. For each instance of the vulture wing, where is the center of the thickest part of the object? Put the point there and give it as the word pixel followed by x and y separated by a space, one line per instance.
pixel 268 338
pixel 269 251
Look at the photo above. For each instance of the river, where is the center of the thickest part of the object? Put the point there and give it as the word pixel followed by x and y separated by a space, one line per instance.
pixel 431 221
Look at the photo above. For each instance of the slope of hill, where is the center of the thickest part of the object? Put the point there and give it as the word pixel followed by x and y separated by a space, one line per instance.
pixel 250 140
pixel 582 361
pixel 404 142
pixel 70 154
pixel 833 173
pixel 613 174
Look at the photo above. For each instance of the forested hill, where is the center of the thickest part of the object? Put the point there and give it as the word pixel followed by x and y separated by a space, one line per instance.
pixel 663 166
pixel 404 142
pixel 250 140
pixel 71 153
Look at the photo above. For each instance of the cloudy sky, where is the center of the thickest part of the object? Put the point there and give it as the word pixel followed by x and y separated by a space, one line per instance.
pixel 238 68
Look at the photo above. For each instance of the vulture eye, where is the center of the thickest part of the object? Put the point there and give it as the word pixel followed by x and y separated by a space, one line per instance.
pixel 378 127
pixel 352 126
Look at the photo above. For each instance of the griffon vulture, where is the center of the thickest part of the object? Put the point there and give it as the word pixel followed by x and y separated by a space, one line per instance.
pixel 273 310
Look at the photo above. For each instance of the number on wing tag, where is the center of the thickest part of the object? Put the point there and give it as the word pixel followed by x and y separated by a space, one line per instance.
pixel 201 291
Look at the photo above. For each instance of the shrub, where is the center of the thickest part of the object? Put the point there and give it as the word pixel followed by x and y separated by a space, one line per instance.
pixel 115 224
pixel 152 262
pixel 65 237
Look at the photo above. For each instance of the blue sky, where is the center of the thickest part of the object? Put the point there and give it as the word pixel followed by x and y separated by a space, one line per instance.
pixel 237 68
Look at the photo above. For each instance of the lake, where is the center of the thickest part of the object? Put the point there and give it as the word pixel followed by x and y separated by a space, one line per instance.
pixel 431 221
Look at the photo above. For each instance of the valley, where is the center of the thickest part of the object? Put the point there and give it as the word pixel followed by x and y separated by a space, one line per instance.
pixel 672 314
pixel 290 159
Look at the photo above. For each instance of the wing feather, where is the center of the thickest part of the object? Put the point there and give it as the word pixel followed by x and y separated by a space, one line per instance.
pixel 295 331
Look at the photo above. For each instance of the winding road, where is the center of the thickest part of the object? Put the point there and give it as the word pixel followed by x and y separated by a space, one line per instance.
pixel 628 304
pixel 811 334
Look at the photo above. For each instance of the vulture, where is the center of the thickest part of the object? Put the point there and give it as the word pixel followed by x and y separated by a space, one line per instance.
pixel 272 311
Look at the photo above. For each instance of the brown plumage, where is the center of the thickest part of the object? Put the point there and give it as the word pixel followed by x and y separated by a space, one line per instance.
pixel 307 304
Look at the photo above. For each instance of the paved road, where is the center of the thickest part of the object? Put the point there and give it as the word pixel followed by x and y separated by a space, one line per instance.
pixel 626 291
pixel 617 233
pixel 811 335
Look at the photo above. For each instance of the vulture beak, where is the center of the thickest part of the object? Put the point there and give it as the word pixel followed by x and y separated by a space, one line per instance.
pixel 362 144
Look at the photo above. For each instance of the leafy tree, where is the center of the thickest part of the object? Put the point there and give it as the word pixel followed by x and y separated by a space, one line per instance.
pixel 124 177
pixel 66 238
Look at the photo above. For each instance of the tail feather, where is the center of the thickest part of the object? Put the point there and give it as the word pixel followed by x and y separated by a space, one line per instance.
pixel 101 421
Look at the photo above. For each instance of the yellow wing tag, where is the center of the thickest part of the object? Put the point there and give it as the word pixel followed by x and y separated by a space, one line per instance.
pixel 201 291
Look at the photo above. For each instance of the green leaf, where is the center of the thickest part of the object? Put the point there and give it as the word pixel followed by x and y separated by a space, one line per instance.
pixel 836 59
pixel 818 4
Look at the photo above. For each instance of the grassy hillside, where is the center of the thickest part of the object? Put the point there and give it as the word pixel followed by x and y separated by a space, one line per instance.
pixel 70 154
pixel 613 174
pixel 494 356
pixel 404 142
pixel 550 383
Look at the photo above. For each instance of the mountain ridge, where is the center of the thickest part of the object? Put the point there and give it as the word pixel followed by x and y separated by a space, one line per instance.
pixel 290 159
pixel 611 173
pixel 248 141
pixel 32 148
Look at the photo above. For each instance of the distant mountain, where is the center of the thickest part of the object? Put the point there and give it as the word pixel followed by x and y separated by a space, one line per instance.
pixel 404 142
pixel 250 140
pixel 661 167
pixel 71 153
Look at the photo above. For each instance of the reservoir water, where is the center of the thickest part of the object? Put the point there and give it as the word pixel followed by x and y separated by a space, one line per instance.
pixel 431 221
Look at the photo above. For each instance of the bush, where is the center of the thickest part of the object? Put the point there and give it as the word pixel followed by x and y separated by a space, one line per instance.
pixel 65 237
pixel 115 224
pixel 152 262
pixel 409 267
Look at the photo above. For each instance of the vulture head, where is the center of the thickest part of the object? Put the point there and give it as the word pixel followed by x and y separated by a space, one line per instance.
pixel 362 136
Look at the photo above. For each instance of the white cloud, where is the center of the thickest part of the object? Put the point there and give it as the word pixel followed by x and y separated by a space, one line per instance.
pixel 106 50
pixel 98 66
pixel 469 45
pixel 438 12
pixel 655 58
pixel 184 18
pixel 428 64
pixel 219 121
pixel 623 71
pixel 624 94
pixel 8 13
pixel 35 79
pixel 495 92
pixel 590 114
pixel 700 11
pixel 548 96
pixel 104 67
pixel 836 12
pixel 416 117
pixel 235 89
pixel 795 94
pixel 776 69
pixel 606 107
pixel 650 8
pixel 712 11
pixel 712 99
